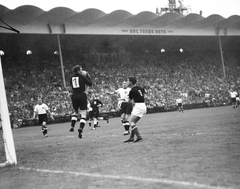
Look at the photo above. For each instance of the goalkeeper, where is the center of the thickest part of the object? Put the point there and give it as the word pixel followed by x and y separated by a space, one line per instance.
pixel 78 81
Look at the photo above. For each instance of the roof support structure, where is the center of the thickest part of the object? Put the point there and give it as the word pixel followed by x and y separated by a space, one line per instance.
pixel 61 60
pixel 221 52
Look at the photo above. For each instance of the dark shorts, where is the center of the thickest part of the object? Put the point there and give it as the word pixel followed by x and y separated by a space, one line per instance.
pixel 90 114
pixel 179 104
pixel 95 113
pixel 42 118
pixel 126 108
pixel 233 100
pixel 79 101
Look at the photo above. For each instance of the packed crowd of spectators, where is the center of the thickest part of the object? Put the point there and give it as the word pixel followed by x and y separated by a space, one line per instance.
pixel 197 76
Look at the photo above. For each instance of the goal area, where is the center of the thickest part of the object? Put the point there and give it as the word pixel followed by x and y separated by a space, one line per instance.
pixel 7 136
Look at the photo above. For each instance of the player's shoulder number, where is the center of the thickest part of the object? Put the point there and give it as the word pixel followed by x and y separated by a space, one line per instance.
pixel 140 92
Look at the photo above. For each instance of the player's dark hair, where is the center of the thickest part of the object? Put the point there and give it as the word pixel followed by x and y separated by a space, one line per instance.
pixel 76 68
pixel 133 80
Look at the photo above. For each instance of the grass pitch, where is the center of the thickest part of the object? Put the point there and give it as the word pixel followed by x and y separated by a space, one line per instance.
pixel 199 148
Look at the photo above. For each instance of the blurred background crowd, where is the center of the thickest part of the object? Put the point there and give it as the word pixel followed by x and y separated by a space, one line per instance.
pixel 195 75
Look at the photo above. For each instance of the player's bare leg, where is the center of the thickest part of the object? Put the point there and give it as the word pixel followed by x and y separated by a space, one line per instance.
pixel 44 129
pixel 123 121
pixel 95 123
pixel 90 122
pixel 126 125
pixel 134 129
pixel 73 122
pixel 82 122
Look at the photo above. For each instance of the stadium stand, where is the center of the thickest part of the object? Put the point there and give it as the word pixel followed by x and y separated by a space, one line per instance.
pixel 195 75
pixel 113 46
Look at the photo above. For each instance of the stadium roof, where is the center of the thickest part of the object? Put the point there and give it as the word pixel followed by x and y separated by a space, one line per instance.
pixel 61 20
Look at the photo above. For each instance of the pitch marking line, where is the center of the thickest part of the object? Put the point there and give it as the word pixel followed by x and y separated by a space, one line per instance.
pixel 152 180
pixel 168 134
pixel 195 134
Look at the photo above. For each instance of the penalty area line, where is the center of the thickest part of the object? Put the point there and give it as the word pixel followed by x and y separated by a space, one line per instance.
pixel 141 179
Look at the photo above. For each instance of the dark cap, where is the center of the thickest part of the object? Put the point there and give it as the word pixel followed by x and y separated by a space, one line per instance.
pixel 133 80
pixel 76 68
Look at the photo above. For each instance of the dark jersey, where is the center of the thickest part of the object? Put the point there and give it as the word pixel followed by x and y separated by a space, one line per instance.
pixel 137 94
pixel 94 103
pixel 78 83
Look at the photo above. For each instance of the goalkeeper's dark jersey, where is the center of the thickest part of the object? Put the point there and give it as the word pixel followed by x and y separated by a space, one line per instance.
pixel 137 94
pixel 78 83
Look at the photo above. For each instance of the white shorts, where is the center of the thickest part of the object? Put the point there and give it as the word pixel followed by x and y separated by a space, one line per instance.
pixel 139 109
pixel 119 104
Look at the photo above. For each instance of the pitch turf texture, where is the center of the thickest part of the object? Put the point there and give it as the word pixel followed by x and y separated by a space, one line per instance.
pixel 199 148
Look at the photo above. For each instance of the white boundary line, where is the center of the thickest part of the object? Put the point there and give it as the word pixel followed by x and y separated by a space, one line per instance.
pixel 190 134
pixel 159 134
pixel 216 133
pixel 152 180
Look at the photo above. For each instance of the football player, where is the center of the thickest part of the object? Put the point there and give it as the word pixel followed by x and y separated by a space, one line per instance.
pixel 124 105
pixel 136 97
pixel 179 103
pixel 95 104
pixel 233 95
pixel 41 110
pixel 78 82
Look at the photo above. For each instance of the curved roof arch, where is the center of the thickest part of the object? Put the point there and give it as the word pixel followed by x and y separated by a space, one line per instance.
pixel 186 21
pixel 209 21
pixel 57 15
pixel 229 21
pixel 3 10
pixel 86 17
pixel 23 14
pixel 163 20
pixel 112 19
pixel 62 20
pixel 137 20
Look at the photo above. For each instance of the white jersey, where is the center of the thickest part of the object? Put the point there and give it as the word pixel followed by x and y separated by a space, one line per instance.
pixel 123 94
pixel 179 100
pixel 41 109
pixel 233 94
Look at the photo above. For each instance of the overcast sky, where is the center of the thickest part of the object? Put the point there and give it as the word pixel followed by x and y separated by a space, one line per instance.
pixel 225 8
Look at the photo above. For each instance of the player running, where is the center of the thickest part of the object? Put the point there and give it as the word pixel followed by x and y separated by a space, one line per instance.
pixel 41 110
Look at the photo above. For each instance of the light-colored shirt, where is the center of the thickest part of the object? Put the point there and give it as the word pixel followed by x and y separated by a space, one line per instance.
pixel 123 94
pixel 179 100
pixel 41 109
pixel 233 94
